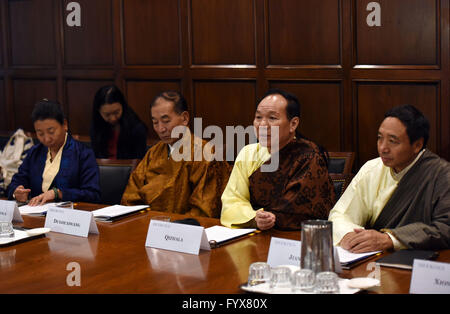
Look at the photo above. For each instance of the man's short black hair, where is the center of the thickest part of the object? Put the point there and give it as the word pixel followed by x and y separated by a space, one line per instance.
pixel 179 102
pixel 417 125
pixel 47 109
pixel 293 105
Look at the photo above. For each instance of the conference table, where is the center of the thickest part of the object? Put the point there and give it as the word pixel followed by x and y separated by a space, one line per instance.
pixel 117 261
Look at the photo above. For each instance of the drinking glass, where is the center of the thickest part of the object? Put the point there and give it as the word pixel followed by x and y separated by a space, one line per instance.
pixel 258 273
pixel 327 282
pixel 6 229
pixel 280 277
pixel 303 280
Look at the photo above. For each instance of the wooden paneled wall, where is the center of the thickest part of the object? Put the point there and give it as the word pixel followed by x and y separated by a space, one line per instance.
pixel 224 54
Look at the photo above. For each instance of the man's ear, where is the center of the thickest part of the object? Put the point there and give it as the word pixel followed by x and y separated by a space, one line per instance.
pixel 417 145
pixel 294 123
pixel 185 116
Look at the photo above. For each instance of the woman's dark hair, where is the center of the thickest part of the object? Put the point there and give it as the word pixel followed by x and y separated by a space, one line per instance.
pixel 417 125
pixel 101 130
pixel 179 102
pixel 293 109
pixel 46 109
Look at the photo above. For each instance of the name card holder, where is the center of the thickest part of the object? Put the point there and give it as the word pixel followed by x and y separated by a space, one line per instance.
pixel 9 211
pixel 430 277
pixel 71 221
pixel 176 237
pixel 283 252
pixel 287 252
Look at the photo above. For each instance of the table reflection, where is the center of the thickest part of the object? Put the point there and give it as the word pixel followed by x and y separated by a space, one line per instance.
pixel 181 264
pixel 74 246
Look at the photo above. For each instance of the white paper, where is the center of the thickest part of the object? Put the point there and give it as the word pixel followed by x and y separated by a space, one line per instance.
pixel 116 210
pixel 430 277
pixel 18 235
pixel 70 221
pixel 176 237
pixel 348 257
pixel 9 211
pixel 36 210
pixel 220 233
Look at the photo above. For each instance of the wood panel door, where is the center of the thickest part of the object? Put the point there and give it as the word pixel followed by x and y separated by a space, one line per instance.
pixel 151 32
pixel 32 32
pixel 223 55
pixel 80 97
pixel 26 94
pixel 375 99
pixel 140 94
pixel 91 43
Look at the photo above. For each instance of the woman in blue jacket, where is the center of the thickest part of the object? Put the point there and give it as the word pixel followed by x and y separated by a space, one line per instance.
pixel 59 168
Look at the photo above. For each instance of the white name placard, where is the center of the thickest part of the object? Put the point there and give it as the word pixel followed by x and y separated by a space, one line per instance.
pixel 287 252
pixel 9 211
pixel 430 277
pixel 176 237
pixel 283 252
pixel 70 221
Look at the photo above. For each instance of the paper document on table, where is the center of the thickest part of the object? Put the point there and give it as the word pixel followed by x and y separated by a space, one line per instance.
pixel 218 234
pixel 36 210
pixel 111 212
pixel 346 257
pixel 19 236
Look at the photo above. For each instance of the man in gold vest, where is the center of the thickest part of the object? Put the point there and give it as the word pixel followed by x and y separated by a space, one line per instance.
pixel 169 183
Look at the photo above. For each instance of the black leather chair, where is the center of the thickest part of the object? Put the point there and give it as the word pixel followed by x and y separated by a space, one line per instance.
pixel 340 162
pixel 114 175
pixel 340 183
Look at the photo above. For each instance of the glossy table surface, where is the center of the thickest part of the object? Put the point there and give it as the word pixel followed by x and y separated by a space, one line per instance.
pixel 117 261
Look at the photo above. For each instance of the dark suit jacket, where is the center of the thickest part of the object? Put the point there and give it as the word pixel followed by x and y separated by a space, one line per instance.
pixel 78 176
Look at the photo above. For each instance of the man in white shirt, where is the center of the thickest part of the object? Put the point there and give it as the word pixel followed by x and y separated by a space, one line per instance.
pixel 401 199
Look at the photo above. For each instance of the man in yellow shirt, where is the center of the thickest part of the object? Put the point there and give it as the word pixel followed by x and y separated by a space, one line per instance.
pixel 401 199
pixel 257 194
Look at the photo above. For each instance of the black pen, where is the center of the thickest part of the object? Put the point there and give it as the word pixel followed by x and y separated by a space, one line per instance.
pixel 63 204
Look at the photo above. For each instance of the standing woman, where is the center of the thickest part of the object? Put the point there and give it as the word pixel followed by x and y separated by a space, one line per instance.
pixel 116 130
pixel 59 167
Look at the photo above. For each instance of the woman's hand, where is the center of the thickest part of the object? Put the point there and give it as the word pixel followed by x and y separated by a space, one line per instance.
pixel 21 194
pixel 42 199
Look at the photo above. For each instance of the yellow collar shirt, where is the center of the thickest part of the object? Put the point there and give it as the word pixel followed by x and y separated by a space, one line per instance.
pixel 51 167
pixel 365 198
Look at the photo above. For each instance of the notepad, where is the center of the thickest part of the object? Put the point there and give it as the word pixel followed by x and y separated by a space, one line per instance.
pixel 19 237
pixel 349 259
pixel 404 259
pixel 115 212
pixel 36 210
pixel 219 235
